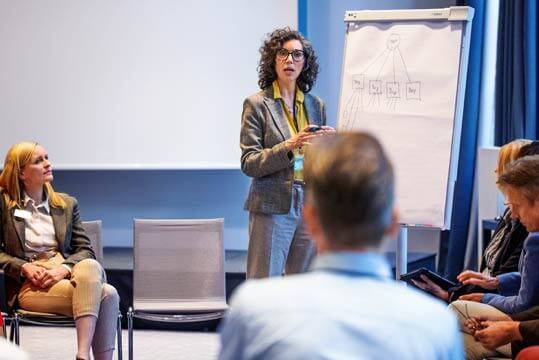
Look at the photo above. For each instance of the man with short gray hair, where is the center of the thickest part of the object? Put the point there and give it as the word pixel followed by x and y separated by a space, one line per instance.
pixel 348 306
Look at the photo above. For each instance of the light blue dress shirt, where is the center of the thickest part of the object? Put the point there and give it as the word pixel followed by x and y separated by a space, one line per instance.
pixel 347 307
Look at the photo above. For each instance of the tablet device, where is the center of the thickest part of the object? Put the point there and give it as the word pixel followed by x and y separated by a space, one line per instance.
pixel 435 278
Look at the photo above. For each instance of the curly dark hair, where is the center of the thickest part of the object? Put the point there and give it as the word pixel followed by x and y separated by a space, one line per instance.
pixel 275 41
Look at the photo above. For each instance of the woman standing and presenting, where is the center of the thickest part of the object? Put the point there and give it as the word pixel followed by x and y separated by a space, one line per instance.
pixel 277 122
pixel 47 256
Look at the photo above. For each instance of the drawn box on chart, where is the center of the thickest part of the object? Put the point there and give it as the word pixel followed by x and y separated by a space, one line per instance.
pixel 358 82
pixel 375 87
pixel 392 90
pixel 413 90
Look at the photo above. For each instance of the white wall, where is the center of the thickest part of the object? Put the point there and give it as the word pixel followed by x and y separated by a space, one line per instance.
pixel 130 84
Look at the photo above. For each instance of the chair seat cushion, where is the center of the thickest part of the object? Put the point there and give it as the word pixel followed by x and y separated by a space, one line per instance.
pixel 28 313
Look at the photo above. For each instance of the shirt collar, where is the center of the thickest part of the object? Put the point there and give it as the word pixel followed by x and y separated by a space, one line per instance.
pixel 45 203
pixel 366 263
pixel 300 96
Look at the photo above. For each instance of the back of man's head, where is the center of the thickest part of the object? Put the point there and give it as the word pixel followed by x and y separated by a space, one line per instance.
pixel 350 184
pixel 522 174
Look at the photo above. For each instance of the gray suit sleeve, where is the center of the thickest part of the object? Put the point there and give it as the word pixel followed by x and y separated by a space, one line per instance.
pixel 257 157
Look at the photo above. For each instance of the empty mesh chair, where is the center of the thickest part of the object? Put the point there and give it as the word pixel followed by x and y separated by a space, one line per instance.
pixel 93 231
pixel 178 273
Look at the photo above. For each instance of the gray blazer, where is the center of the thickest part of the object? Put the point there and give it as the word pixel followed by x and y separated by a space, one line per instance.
pixel 72 241
pixel 264 128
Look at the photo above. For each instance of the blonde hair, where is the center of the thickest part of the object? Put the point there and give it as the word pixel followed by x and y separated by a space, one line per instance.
pixel 17 157
pixel 509 153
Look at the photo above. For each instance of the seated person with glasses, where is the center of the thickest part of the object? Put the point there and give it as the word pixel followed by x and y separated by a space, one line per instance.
pixel 491 321
pixel 47 256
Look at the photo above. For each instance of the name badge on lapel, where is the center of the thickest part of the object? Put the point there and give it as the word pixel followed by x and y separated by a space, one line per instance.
pixel 22 214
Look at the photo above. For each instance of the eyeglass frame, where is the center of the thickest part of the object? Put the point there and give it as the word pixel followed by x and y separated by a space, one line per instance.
pixel 288 53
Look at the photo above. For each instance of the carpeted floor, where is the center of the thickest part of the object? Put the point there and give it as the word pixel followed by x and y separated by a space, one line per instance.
pixel 46 343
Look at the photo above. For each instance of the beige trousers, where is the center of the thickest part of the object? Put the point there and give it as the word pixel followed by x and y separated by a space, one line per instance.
pixel 85 293
pixel 474 349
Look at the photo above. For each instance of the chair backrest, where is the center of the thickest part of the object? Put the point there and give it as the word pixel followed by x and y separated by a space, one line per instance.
pixel 178 265
pixel 93 231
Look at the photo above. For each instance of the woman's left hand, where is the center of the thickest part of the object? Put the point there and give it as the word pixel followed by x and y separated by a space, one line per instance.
pixel 426 284
pixel 52 276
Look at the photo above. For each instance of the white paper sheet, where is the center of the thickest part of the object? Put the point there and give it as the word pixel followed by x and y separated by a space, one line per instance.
pixel 400 82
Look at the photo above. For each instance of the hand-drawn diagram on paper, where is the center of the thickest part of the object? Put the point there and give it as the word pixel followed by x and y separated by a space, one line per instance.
pixel 382 84
pixel 400 83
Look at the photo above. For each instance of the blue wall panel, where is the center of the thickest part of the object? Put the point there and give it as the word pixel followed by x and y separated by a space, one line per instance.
pixel 116 197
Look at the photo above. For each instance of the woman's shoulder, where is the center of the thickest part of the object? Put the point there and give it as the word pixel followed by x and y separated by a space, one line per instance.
pixel 258 97
pixel 70 200
pixel 314 97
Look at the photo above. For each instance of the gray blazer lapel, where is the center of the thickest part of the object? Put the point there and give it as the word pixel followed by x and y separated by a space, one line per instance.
pixel 314 117
pixel 60 225
pixel 277 114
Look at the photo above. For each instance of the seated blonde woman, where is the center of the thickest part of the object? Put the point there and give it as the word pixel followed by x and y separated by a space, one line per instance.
pixel 46 255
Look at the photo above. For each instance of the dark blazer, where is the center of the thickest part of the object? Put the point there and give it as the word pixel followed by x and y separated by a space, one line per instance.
pixel 264 128
pixel 529 329
pixel 509 255
pixel 511 246
pixel 72 241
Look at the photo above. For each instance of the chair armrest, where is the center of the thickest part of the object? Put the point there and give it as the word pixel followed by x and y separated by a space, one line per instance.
pixel 3 293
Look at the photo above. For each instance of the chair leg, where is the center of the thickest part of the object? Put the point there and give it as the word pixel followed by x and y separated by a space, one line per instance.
pixel 17 329
pixel 130 333
pixel 12 330
pixel 119 335
pixel 4 328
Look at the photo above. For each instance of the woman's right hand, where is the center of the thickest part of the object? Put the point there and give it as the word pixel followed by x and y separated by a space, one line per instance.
pixel 476 278
pixel 33 273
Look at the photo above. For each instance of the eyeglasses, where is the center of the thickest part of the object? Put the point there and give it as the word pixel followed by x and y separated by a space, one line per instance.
pixel 297 55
